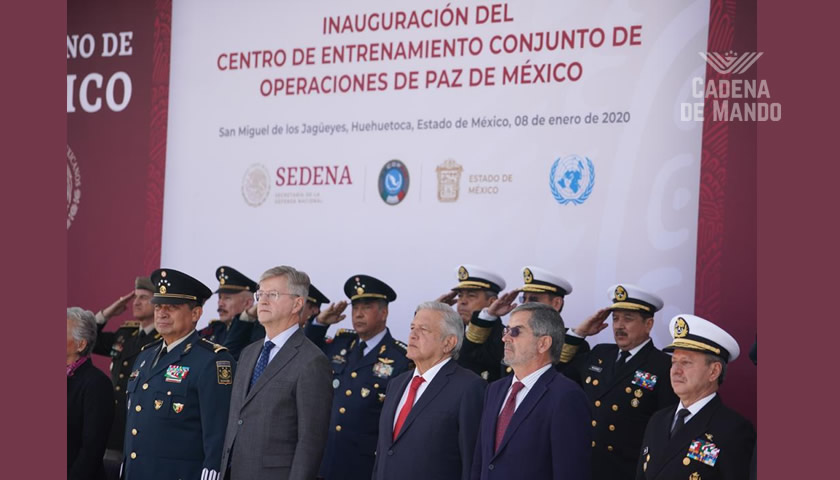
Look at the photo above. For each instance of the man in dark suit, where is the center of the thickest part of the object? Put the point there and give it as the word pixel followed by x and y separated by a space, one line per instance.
pixel 236 294
pixel 178 391
pixel 700 438
pixel 363 362
pixel 626 381
pixel 280 406
pixel 429 421
pixel 123 346
pixel 535 423
pixel 245 329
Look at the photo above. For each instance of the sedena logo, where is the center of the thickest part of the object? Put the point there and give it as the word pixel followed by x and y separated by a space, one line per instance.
pixel 731 62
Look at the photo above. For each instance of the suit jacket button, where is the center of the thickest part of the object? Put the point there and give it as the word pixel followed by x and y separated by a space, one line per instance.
pixel 239 422
pixel 390 452
pixel 491 466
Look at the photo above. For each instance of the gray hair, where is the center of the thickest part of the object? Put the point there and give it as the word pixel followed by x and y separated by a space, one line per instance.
pixel 546 321
pixel 297 281
pixel 451 325
pixel 83 328
pixel 712 358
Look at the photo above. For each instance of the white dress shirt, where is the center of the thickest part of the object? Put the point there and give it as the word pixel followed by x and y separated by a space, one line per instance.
pixel 528 382
pixel 280 340
pixel 693 409
pixel 427 377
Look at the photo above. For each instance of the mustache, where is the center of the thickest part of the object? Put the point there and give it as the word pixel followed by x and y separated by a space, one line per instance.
pixel 620 333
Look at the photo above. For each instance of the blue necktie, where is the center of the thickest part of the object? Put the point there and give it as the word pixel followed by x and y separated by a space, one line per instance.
pixel 262 362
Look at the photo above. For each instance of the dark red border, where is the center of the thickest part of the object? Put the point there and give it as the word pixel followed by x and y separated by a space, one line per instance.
pixel 726 235
pixel 34 233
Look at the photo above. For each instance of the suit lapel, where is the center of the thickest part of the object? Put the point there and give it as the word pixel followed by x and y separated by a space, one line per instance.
pixel 245 368
pixel 283 356
pixel 691 430
pixel 432 391
pixel 392 402
pixel 531 400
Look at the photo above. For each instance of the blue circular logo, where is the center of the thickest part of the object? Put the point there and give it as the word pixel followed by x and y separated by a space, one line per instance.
pixel 393 182
pixel 571 179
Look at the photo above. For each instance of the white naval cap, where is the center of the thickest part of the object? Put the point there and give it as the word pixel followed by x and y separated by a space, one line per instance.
pixel 540 280
pixel 473 277
pixel 630 297
pixel 694 333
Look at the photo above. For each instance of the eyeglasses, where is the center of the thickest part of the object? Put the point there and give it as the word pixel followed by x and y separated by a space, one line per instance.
pixel 271 295
pixel 513 331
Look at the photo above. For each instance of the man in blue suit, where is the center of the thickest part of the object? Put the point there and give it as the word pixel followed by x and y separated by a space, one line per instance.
pixel 535 422
pixel 430 417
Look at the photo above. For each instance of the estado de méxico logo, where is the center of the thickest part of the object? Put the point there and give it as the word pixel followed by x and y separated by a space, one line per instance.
pixel 572 179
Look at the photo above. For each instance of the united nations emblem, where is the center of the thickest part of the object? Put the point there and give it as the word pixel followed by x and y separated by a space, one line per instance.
pixel 571 179
pixel 527 275
pixel 620 294
pixel 393 182
pixel 449 180
pixel 74 183
pixel 680 328
pixel 256 184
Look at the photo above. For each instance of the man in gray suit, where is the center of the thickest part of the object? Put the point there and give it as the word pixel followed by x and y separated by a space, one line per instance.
pixel 281 400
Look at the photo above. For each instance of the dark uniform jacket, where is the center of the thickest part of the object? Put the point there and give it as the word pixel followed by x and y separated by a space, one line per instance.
pixel 716 443
pixel 215 332
pixel 359 392
pixel 123 346
pixel 177 411
pixel 90 409
pixel 482 351
pixel 622 401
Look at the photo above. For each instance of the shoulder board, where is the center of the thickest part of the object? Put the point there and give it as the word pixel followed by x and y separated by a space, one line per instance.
pixel 130 324
pixel 155 343
pixel 211 346
pixel 215 320
pixel 343 332
pixel 400 345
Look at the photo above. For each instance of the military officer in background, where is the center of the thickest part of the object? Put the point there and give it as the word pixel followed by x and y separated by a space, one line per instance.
pixel 483 350
pixel 236 294
pixel 626 381
pixel 363 362
pixel 178 391
pixel 123 346
pixel 246 330
pixel 541 286
pixel 699 438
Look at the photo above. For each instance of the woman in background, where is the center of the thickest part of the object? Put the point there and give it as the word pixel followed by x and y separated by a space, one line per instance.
pixel 90 400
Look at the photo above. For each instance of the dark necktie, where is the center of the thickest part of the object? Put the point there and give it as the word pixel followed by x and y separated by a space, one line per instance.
pixel 409 402
pixel 507 413
pixel 622 358
pixel 358 352
pixel 262 362
pixel 160 355
pixel 680 421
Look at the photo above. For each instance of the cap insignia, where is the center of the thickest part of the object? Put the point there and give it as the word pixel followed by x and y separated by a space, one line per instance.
pixel 620 294
pixel 527 275
pixel 680 328
pixel 463 274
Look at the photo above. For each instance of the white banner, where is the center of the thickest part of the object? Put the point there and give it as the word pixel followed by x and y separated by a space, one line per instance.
pixel 402 140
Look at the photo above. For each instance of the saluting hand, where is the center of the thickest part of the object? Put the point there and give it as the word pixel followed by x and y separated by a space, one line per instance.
pixel 448 298
pixel 503 304
pixel 593 324
pixel 117 307
pixel 333 314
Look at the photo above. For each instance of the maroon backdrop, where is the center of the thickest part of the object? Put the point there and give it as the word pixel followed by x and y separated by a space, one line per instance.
pixel 114 232
pixel 726 234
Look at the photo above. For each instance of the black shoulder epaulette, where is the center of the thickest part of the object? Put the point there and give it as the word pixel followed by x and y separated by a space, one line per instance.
pixel 156 342
pixel 211 346
pixel 400 345
pixel 130 324
pixel 215 320
pixel 344 332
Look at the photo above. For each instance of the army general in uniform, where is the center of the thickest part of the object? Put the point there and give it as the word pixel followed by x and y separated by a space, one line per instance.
pixel 179 390
pixel 363 362
pixel 236 295
pixel 626 381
